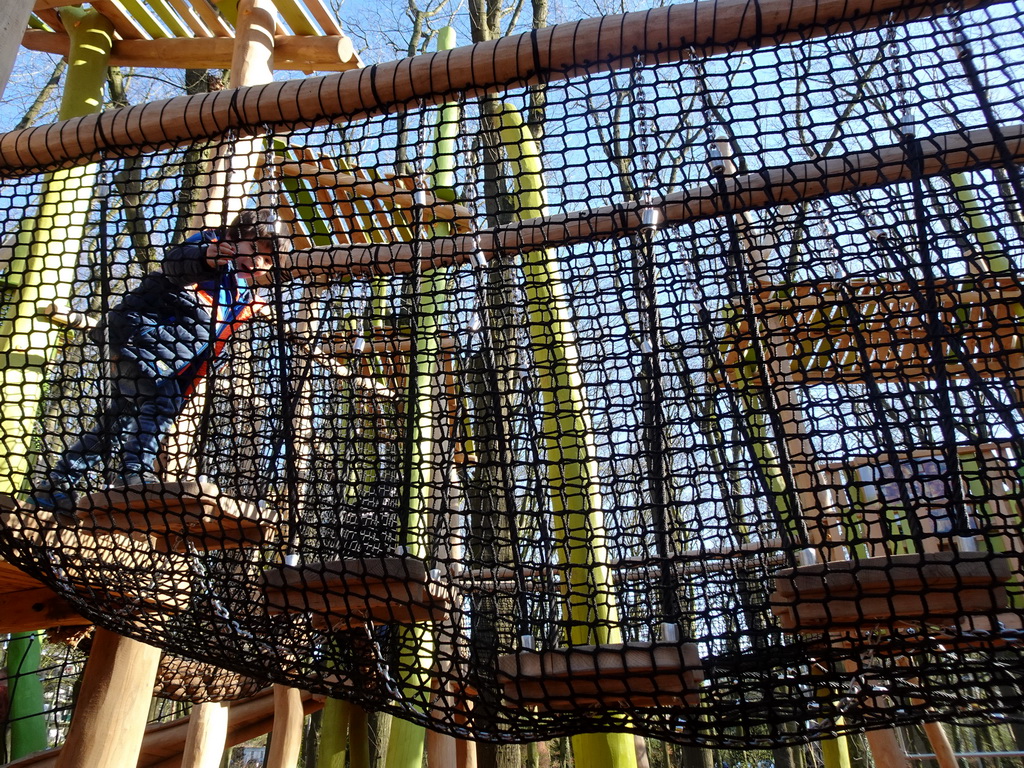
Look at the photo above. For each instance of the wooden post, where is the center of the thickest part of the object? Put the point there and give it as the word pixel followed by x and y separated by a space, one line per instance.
pixel 442 750
pixel 113 706
pixel 886 749
pixel 207 735
pixel 226 188
pixel 287 736
pixel 234 167
pixel 13 20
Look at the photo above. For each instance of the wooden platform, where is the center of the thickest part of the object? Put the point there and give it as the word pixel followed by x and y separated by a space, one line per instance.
pixel 178 515
pixel 936 587
pixel 346 593
pixel 878 329
pixel 26 604
pixel 102 565
pixel 621 676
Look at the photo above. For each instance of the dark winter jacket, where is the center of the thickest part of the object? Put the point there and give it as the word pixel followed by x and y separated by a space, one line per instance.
pixel 166 323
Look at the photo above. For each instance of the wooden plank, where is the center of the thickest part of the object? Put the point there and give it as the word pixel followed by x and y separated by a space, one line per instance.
pixel 213 20
pixel 52 19
pixel 937 570
pixel 351 186
pixel 173 22
pixel 325 18
pixel 297 17
pixel 191 18
pixel 619 676
pixel 840 336
pixel 180 515
pixel 845 612
pixel 348 592
pixel 889 590
pixel 545 55
pixel 124 22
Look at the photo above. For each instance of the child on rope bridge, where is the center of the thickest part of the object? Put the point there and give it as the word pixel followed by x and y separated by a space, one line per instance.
pixel 159 339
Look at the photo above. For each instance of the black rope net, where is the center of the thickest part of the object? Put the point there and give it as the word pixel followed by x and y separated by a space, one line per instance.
pixel 680 395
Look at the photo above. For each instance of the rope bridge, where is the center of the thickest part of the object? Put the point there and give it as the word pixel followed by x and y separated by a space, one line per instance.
pixel 660 373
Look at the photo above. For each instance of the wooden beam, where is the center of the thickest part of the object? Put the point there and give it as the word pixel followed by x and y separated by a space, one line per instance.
pixel 163 743
pixel 51 18
pixel 13 20
pixel 786 184
pixel 545 55
pixel 41 608
pixel 291 53
pixel 44 5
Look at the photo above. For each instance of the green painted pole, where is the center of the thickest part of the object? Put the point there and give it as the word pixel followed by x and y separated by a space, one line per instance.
pixel 334 731
pixel 25 694
pixel 42 269
pixel 566 440
pixel 407 742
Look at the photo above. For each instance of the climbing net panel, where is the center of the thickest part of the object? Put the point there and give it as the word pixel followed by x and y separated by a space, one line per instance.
pixel 660 373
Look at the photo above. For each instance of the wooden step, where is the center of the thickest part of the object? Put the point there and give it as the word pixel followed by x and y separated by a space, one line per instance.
pixel 179 515
pixel 619 676
pixel 346 593
pixel 100 565
pixel 934 587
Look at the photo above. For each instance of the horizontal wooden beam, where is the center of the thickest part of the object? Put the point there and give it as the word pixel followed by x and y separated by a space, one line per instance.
pixel 943 153
pixel 32 609
pixel 163 743
pixel 304 54
pixel 545 55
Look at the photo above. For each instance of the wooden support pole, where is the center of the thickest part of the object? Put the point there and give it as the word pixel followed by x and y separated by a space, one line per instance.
pixel 785 184
pixel 207 735
pixel 291 52
pixel 287 737
pixel 234 167
pixel 545 55
pixel 113 706
pixel 13 20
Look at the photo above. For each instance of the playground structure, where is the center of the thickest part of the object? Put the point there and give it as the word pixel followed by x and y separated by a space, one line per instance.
pixel 691 409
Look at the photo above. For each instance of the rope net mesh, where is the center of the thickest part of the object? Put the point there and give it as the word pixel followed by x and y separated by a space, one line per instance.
pixel 681 395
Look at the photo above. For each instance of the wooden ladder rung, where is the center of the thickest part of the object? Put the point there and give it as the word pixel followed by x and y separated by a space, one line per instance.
pixel 178 515
pixel 615 676
pixel 893 590
pixel 345 593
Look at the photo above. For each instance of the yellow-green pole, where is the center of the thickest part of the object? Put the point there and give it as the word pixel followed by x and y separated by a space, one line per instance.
pixel 408 740
pixel 567 441
pixel 46 255
pixel 42 271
